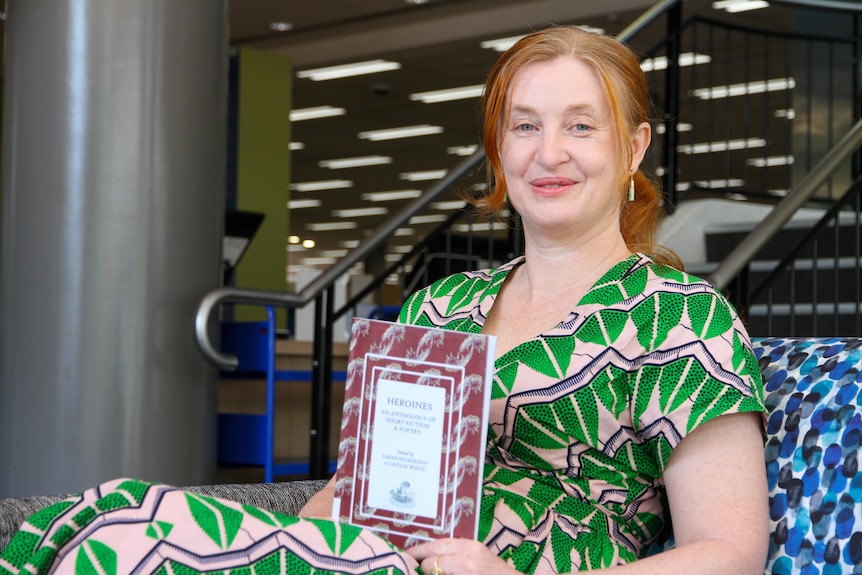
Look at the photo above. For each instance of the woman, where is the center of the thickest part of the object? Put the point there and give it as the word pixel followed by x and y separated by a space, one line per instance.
pixel 625 395
pixel 623 387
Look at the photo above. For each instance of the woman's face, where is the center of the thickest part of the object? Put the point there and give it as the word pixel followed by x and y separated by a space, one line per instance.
pixel 559 153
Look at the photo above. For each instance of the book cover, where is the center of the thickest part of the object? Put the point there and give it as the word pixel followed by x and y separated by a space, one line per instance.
pixel 413 431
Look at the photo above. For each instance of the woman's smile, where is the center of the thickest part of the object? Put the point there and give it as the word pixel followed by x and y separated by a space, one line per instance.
pixel 552 186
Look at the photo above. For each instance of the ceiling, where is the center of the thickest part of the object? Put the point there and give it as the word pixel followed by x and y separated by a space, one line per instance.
pixel 437 45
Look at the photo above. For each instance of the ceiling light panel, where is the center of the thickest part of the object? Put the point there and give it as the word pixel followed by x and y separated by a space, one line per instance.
pixel 348 70
pixel 358 162
pixel 685 59
pixel 391 196
pixel 398 133
pixel 319 261
pixel 771 161
pixel 423 176
pixel 299 204
pixel 449 206
pixel 733 6
pixel 449 94
pixel 359 212
pixel 501 44
pixel 321 185
pixel 722 146
pixel 331 226
pixel 462 150
pixel 427 219
pixel 315 112
pixel 774 85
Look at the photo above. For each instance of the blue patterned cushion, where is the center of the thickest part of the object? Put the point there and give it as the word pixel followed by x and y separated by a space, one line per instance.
pixel 813 394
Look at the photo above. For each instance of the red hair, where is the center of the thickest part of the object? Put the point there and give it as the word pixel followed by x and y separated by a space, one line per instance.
pixel 625 87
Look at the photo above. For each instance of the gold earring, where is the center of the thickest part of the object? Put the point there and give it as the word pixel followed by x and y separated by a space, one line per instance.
pixel 632 187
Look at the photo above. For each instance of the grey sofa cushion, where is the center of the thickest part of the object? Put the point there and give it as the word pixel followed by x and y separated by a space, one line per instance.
pixel 286 497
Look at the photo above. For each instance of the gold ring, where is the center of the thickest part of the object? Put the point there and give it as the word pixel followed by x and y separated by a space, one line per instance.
pixel 436 570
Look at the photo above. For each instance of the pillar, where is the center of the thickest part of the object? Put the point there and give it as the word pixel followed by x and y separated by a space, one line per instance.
pixel 112 216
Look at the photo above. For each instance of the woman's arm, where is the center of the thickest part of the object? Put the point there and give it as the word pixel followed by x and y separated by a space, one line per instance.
pixel 716 487
pixel 320 505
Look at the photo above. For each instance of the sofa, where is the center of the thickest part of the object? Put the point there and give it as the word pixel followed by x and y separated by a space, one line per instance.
pixel 812 450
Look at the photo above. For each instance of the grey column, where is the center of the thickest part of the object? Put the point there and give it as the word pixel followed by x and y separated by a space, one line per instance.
pixel 113 210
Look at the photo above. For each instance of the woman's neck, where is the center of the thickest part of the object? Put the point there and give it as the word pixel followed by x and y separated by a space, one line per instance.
pixel 562 268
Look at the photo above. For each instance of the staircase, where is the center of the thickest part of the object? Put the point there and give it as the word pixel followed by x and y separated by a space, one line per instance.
pixel 816 294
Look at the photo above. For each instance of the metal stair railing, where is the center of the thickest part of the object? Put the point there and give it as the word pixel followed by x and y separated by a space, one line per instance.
pixel 745 251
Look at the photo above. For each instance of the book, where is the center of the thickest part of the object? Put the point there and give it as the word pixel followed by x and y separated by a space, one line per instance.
pixel 413 431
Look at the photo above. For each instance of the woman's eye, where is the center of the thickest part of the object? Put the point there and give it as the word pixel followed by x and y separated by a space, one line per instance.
pixel 582 128
pixel 524 127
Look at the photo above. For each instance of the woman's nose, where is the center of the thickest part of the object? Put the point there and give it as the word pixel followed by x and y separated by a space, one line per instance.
pixel 552 149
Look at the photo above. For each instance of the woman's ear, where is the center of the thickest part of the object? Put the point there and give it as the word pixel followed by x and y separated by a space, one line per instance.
pixel 640 143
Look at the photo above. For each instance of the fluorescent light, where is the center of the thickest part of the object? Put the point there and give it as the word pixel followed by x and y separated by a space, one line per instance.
pixel 427 219
pixel 447 206
pixel 318 261
pixel 449 94
pixel 685 59
pixel 349 244
pixel 733 6
pixel 501 44
pixel 308 244
pixel 422 176
pixel 480 227
pixel 681 127
pixel 357 162
pixel 347 70
pixel 760 87
pixel 401 249
pixel 593 29
pixel 396 133
pixel 789 113
pixel 293 239
pixel 331 226
pixel 722 146
pixel 299 204
pixel 295 248
pixel 771 161
pixel 293 146
pixel 391 196
pixel 401 232
pixel 315 112
pixel 280 26
pixel 462 150
pixel 359 212
pixel 321 185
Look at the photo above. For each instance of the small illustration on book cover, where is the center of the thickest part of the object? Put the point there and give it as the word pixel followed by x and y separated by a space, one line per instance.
pixel 402 496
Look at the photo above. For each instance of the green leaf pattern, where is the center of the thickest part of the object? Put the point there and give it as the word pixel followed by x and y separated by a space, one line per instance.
pixel 585 417
pixel 220 522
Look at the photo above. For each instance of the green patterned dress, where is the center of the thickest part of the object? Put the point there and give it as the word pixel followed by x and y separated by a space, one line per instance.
pixel 584 417
pixel 583 420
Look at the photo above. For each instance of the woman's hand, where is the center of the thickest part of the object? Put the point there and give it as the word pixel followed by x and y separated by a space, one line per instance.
pixel 458 557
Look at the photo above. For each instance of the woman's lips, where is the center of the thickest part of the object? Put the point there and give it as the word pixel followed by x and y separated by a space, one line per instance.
pixel 551 184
